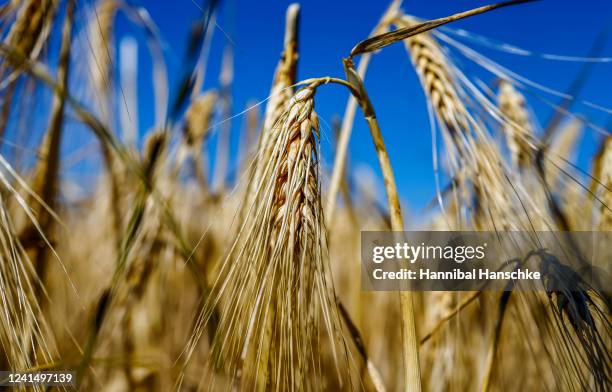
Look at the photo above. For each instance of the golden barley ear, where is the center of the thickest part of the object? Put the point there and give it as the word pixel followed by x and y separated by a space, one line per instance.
pixel 517 125
pixel 274 286
pixel 435 73
pixel 386 39
pixel 561 150
pixel 197 119
pixel 198 123
pixel 281 92
pixel 100 31
pixel 29 31
pixel 27 35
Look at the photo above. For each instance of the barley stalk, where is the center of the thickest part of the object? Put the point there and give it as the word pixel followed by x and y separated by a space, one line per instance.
pixel 412 373
pixel 223 136
pixel 349 116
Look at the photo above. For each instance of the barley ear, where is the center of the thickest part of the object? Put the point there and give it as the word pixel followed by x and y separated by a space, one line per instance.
pixel 386 39
pixel 517 125
pixel 280 93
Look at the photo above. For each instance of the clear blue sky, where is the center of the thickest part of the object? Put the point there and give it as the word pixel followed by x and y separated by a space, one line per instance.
pixel 330 28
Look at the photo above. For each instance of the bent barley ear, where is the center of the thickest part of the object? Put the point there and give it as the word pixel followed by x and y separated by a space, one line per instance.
pixel 386 39
pixel 276 277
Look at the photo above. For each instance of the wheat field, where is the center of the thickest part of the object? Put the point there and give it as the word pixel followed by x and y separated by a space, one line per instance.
pixel 167 263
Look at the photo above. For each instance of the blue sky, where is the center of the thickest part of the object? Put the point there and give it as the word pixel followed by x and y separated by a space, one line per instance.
pixel 329 29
